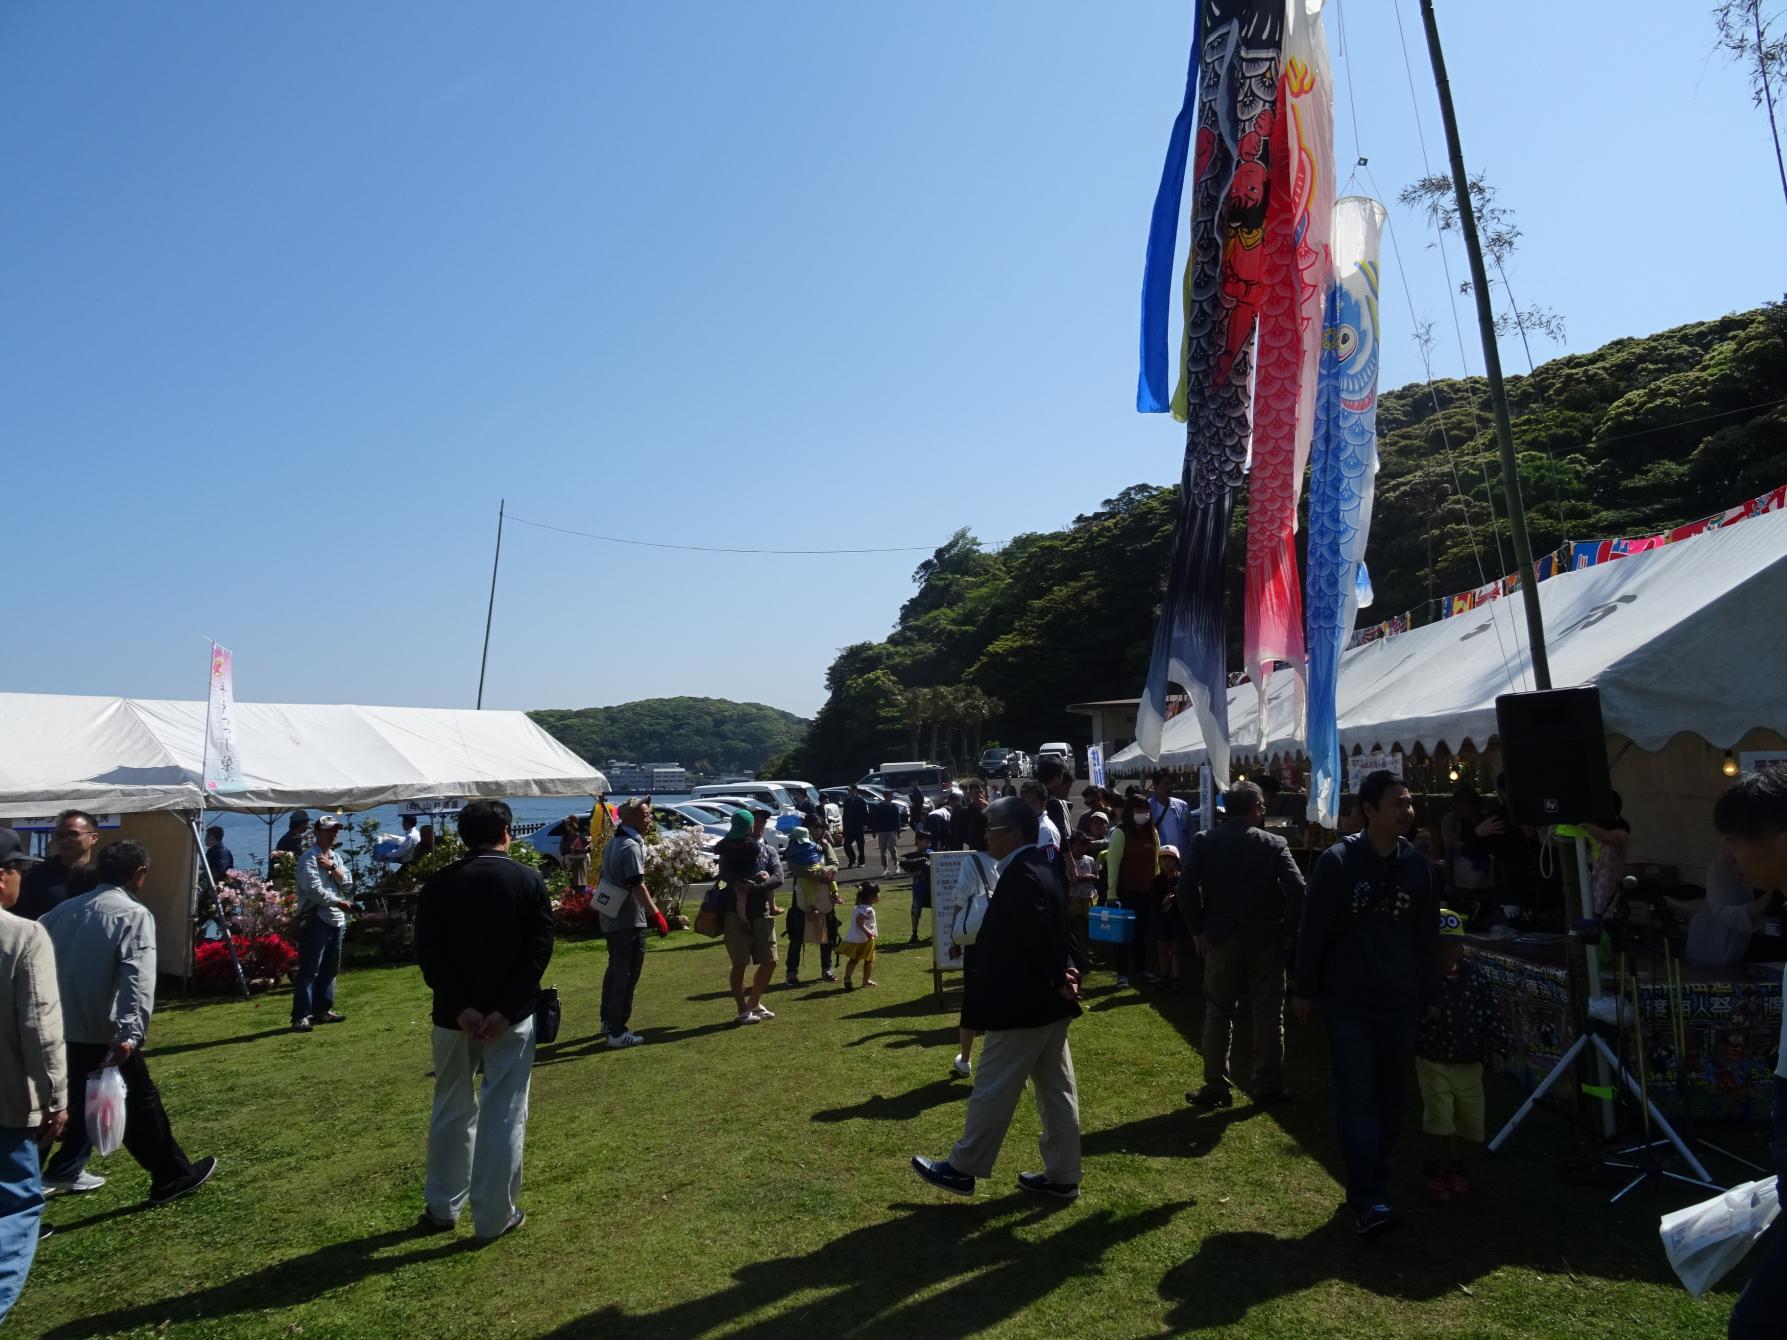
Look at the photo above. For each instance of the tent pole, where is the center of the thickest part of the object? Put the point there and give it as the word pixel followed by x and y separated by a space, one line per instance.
pixel 490 611
pixel 1492 360
pixel 194 819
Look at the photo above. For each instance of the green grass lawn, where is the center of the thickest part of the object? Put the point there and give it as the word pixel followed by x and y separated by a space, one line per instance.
pixel 753 1181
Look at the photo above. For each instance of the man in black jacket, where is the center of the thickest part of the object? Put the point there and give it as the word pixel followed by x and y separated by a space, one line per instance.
pixel 856 827
pixel 483 940
pixel 1240 893
pixel 1019 985
pixel 1368 951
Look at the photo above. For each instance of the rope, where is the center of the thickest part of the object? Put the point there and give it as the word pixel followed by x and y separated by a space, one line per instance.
pixel 717 549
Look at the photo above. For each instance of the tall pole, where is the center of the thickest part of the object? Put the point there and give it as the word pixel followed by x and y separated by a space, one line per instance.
pixel 1492 362
pixel 490 612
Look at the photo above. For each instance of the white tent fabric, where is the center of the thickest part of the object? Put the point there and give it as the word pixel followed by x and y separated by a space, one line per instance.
pixel 123 755
pixel 1686 638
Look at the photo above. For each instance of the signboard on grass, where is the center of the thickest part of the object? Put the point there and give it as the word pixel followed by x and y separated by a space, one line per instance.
pixel 953 879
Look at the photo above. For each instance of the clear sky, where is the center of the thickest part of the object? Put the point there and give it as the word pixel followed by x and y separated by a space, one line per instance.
pixel 291 295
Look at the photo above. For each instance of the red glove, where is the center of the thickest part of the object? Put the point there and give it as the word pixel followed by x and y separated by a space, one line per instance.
pixel 663 925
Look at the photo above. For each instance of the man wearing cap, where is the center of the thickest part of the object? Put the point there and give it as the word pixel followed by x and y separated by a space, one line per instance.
pixel 1240 895
pixel 105 973
pixel 325 895
pixel 623 865
pixel 33 1072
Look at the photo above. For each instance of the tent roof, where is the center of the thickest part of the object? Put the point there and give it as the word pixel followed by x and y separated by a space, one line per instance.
pixel 124 755
pixel 1688 637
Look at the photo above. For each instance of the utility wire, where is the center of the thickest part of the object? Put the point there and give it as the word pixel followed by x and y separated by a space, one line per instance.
pixel 717 549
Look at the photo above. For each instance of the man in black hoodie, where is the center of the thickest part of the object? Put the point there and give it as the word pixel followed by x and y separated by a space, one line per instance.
pixel 1368 952
pixel 1019 984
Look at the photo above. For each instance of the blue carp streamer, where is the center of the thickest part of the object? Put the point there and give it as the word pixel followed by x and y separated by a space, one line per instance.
pixel 1343 477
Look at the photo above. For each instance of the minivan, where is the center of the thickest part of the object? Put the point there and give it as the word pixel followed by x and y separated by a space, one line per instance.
pixel 768 793
pixel 932 779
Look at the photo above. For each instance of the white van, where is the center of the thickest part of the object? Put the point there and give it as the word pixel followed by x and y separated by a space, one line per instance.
pixel 932 779
pixel 1061 750
pixel 772 794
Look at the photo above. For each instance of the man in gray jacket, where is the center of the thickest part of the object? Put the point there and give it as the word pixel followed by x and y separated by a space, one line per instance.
pixel 1241 893
pixel 33 1081
pixel 105 968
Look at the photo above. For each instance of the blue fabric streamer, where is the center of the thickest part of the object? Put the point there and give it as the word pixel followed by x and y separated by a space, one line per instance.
pixel 1154 390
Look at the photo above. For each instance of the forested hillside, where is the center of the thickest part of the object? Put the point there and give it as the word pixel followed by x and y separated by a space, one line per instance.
pixel 1635 437
pixel 710 736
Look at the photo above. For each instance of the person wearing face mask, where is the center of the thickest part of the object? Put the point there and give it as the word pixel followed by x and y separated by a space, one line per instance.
pixel 1131 863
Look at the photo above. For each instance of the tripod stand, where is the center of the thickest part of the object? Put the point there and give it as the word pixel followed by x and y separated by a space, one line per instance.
pixel 1642 1159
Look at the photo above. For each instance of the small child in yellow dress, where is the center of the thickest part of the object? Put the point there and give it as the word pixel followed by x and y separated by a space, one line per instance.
pixel 859 940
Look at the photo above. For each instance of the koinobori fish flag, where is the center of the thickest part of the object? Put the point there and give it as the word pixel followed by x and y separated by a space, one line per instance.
pixel 1342 480
pixel 1237 58
pixel 1298 266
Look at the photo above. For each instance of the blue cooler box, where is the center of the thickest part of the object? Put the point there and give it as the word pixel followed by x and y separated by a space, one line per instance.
pixel 1112 925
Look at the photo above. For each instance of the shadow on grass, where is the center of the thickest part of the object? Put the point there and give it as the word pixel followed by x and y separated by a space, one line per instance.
pixel 881 1281
pixel 942 1035
pixel 287 1283
pixel 176 1048
pixel 575 1049
pixel 1177 1134
pixel 103 1216
pixel 901 1106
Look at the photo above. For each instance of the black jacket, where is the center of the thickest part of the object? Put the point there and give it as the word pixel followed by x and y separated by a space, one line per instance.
pixel 856 816
pixel 1013 972
pixel 484 937
pixel 48 884
pixel 969 828
pixel 1240 882
pixel 1369 942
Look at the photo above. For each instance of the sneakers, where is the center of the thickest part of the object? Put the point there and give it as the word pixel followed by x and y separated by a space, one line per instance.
pixel 1122 981
pixel 1273 1097
pixel 829 976
pixel 200 1174
pixel 80 1185
pixel 791 980
pixel 628 1039
pixel 427 1223
pixel 1211 1095
pixel 331 1018
pixel 516 1220
pixel 45 1231
pixel 1457 1182
pixel 1040 1184
pixel 764 1012
pixel 941 1175
pixel 963 1067
pixel 849 985
pixel 301 1025
pixel 1439 1191
pixel 749 1017
pixel 1375 1219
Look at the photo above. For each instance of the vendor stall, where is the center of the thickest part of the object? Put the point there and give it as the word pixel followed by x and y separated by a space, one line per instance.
pixel 144 760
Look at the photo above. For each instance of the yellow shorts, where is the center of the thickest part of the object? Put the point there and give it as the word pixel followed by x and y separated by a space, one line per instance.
pixel 1451 1098
pixel 859 951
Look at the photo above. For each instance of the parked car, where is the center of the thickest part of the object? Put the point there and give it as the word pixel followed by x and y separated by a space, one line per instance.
pixel 1062 751
pixel 776 837
pixel 549 839
pixel 1001 764
pixel 834 795
pixel 773 794
pixel 932 779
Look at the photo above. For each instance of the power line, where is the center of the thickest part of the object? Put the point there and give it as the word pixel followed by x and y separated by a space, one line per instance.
pixel 717 549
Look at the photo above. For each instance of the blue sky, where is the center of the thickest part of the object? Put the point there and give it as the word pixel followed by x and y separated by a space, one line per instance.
pixel 290 296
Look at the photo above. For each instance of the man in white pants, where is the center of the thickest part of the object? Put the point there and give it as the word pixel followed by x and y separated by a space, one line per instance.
pixel 483 940
pixel 1021 985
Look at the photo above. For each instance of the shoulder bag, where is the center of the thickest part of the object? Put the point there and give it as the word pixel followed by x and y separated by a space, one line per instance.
pixel 546 1015
pixel 965 930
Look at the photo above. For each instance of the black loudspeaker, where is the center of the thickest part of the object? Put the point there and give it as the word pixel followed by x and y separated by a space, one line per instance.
pixel 1554 753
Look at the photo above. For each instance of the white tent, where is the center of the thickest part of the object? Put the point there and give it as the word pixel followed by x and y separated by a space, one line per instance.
pixel 126 755
pixel 1689 638
pixel 144 760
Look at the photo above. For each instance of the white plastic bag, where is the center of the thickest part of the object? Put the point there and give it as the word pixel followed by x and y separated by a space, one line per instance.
pixel 973 910
pixel 105 1110
pixel 1706 1240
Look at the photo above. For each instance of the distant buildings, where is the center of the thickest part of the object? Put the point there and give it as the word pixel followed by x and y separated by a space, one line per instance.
pixel 658 779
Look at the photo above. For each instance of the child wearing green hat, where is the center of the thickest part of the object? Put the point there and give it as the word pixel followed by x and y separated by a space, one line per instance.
pixel 1449 1055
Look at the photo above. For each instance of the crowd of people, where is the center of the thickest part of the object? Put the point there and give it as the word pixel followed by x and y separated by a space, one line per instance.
pixel 1365 944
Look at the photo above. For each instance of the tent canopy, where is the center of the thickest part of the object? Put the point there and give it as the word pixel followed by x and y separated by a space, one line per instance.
pixel 1685 638
pixel 125 755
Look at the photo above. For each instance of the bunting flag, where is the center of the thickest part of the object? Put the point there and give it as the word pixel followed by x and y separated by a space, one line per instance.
pixel 1342 481
pixel 1226 270
pixel 1296 254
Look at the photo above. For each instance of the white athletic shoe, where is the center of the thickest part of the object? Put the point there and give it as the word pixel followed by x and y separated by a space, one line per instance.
pixel 748 1017
pixel 764 1012
pixel 964 1068
pixel 627 1039
pixel 78 1186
